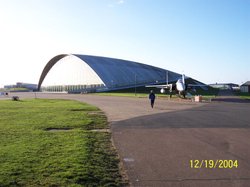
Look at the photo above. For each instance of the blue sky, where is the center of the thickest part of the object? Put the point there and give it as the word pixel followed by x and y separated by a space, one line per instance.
pixel 208 40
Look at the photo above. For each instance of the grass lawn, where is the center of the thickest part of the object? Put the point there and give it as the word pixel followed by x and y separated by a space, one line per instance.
pixel 240 94
pixel 243 95
pixel 31 155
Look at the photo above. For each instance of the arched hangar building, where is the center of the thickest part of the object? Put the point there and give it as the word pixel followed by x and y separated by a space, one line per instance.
pixel 84 73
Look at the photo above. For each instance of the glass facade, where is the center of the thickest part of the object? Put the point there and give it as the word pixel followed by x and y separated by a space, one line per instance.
pixel 71 74
pixel 71 70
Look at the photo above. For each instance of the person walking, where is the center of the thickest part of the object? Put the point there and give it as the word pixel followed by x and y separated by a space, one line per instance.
pixel 152 98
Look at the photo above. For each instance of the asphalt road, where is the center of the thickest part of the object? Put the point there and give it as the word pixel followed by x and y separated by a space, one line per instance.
pixel 158 145
pixel 116 108
pixel 157 149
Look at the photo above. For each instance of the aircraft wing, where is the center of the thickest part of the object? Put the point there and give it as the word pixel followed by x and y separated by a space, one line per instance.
pixel 166 86
pixel 193 85
pixel 203 86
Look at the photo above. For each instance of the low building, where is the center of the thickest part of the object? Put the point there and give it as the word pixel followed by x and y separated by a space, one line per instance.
pixel 224 86
pixel 245 87
pixel 20 85
pixel 26 85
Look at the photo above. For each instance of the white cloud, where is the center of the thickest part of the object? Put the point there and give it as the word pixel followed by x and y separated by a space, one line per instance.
pixel 116 2
pixel 120 1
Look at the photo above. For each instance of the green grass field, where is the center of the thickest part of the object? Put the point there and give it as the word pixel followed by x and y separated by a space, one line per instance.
pixel 32 155
pixel 242 95
pixel 245 96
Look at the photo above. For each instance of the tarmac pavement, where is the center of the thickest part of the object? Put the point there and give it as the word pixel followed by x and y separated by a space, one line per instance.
pixel 157 149
pixel 158 146
pixel 116 108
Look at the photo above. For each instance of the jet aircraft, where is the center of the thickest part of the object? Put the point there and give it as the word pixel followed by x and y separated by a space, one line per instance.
pixel 180 87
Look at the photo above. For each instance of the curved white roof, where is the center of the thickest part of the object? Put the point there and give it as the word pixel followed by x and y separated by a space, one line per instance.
pixel 117 73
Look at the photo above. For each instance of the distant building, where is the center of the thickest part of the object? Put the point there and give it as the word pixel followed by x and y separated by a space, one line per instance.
pixel 225 86
pixel 9 86
pixel 245 87
pixel 28 86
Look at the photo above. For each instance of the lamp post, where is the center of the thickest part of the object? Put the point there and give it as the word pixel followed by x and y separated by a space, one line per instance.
pixel 135 84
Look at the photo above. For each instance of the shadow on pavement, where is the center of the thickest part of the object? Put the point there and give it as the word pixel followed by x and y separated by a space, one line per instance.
pixel 229 96
pixel 232 100
pixel 214 115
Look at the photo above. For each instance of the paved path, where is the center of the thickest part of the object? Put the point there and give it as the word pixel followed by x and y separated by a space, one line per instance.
pixel 156 145
pixel 157 149
pixel 118 108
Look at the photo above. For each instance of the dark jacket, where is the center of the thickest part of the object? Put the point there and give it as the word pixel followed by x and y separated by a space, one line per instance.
pixel 151 96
